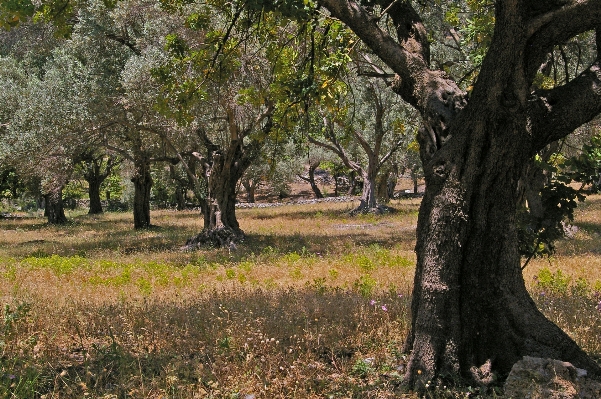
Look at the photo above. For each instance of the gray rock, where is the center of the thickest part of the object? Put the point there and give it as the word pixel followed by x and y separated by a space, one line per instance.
pixel 536 378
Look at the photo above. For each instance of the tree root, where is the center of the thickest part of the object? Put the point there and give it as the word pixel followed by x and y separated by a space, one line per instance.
pixel 222 237
pixel 378 210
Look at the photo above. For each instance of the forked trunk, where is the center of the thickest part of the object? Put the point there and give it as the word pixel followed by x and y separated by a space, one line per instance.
pixel 55 211
pixel 221 227
pixel 142 184
pixel 368 197
pixel 369 201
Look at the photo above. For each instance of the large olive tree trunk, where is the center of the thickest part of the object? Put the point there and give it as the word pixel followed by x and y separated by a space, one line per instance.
pixel 471 313
pixel 221 227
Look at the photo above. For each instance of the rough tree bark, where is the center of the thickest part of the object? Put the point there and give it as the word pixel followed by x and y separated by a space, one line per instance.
pixel 222 169
pixel 471 313
pixel 54 210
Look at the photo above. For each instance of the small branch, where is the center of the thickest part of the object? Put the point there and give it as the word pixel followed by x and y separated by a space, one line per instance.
pixel 125 41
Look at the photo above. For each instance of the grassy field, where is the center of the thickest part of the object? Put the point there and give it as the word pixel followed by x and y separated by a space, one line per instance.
pixel 314 304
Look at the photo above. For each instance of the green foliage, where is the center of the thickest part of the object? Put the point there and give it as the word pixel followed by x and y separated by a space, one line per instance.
pixel 10 319
pixel 556 282
pixel 11 185
pixel 113 185
pixel 586 167
pixel 365 285
pixel 58 12
pixel 363 368
pixel 60 265
pixel 12 12
pixel 537 235
pixel 74 190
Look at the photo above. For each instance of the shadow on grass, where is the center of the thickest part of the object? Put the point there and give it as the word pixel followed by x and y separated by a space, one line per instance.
pixel 302 212
pixel 210 343
pixel 315 243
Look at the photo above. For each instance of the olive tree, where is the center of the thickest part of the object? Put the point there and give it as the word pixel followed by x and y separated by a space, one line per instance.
pixel 471 312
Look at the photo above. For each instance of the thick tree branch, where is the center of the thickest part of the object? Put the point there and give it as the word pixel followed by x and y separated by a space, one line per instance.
pixel 120 151
pixel 561 110
pixel 336 149
pixel 383 45
pixel 124 40
pixel 432 93
pixel 341 154
pixel 556 27
pixel 566 18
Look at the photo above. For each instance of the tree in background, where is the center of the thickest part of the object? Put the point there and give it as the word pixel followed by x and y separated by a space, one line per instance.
pixel 315 157
pixel 95 168
pixel 369 116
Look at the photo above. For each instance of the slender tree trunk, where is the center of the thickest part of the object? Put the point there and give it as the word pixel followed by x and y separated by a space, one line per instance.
pixel 54 209
pixel 316 190
pixel 352 183
pixel 385 186
pixel 336 184
pixel 311 180
pixel 180 198
pixel 249 187
pixel 142 180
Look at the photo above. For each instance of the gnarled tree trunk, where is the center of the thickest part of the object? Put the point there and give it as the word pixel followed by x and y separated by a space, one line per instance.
pixel 368 201
pixel 94 194
pixel 222 171
pixel 471 313
pixel 54 209
pixel 250 186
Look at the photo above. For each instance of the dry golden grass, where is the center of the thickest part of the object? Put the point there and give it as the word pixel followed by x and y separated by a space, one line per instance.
pixel 314 304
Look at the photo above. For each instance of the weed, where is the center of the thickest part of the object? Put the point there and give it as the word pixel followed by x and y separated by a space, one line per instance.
pixel 230 274
pixel 296 273
pixel 333 274
pixel 363 367
pixel 365 285
pixel 144 286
